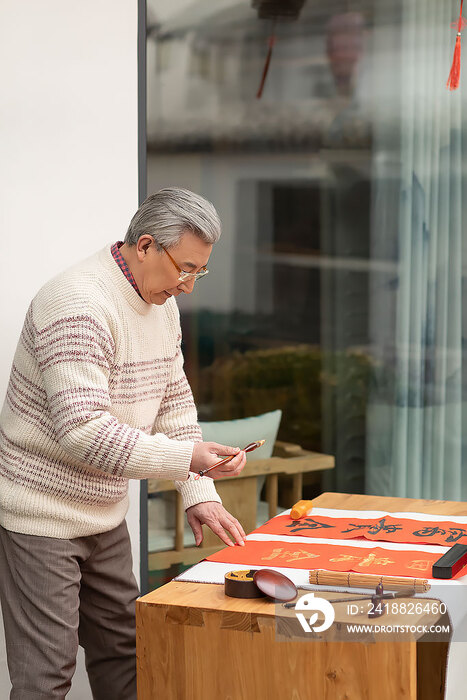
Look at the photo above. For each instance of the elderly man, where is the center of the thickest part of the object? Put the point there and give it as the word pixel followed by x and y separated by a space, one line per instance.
pixel 97 396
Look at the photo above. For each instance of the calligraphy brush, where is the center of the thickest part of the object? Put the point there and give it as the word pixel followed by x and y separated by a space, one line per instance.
pixel 407 593
pixel 249 448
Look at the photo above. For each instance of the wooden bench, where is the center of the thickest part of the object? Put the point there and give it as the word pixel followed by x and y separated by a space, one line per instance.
pixel 240 497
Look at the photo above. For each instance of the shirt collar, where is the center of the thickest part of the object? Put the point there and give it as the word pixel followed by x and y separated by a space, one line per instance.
pixel 119 259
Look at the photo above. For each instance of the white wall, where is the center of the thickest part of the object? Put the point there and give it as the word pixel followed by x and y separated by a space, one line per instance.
pixel 68 159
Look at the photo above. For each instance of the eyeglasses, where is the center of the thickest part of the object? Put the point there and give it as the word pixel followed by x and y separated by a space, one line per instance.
pixel 186 276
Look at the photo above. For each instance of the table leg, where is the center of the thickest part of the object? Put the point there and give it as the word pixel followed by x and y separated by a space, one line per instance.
pixel 297 487
pixel 272 493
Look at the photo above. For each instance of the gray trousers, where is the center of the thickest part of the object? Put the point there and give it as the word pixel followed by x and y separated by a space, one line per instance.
pixel 56 594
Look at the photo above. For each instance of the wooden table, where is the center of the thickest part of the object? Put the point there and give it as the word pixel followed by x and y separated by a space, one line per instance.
pixel 195 643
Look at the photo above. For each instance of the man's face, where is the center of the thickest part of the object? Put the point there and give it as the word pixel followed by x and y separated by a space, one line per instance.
pixel 157 276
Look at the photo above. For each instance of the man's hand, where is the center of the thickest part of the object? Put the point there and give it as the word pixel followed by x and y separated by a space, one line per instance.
pixel 216 517
pixel 205 454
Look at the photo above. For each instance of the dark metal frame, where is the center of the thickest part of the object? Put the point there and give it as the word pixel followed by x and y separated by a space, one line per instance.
pixel 142 194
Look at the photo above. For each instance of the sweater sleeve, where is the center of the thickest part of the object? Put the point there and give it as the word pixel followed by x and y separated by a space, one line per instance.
pixel 177 418
pixel 74 356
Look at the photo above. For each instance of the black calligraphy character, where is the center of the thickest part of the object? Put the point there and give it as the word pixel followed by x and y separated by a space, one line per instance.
pixel 381 525
pixel 357 526
pixel 374 528
pixel 456 534
pixel 429 531
pixel 307 524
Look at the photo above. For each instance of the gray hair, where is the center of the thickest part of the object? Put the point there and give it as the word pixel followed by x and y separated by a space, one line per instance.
pixel 171 212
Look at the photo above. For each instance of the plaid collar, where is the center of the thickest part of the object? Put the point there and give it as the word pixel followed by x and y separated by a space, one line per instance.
pixel 118 257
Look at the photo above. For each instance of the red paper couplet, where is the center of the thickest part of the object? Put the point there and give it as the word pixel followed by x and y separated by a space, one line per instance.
pixel 331 557
pixel 386 529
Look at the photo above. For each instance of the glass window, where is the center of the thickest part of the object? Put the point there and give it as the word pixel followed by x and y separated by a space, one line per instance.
pixel 335 293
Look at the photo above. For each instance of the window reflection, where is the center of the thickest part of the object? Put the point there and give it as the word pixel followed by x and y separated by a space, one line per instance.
pixel 302 307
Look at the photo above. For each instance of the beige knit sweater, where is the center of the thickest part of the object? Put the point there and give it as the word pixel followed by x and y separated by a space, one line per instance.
pixel 97 395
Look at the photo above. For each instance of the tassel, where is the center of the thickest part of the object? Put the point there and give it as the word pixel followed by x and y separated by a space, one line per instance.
pixel 271 42
pixel 454 75
pixel 453 80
